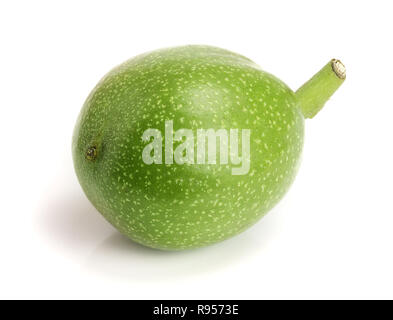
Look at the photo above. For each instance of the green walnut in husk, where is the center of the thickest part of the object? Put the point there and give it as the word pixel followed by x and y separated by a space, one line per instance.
pixel 185 147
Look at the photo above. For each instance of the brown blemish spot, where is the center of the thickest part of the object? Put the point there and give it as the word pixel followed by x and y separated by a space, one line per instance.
pixel 91 153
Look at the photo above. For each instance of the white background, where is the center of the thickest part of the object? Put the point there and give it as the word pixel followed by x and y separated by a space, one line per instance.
pixel 331 236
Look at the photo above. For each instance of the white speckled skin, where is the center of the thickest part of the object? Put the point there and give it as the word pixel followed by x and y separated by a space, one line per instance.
pixel 186 206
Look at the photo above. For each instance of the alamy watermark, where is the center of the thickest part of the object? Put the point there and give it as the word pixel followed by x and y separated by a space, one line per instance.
pixel 205 139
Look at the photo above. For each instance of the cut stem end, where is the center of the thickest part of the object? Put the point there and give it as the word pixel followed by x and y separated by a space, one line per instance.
pixel 339 68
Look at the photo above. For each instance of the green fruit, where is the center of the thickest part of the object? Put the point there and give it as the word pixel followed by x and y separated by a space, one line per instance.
pixel 157 191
